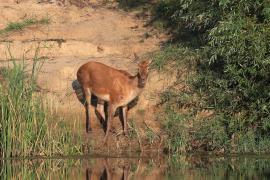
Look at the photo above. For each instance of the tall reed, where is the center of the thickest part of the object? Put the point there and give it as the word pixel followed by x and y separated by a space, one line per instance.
pixel 24 128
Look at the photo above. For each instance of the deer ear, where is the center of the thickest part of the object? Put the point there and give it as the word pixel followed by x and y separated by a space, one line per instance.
pixel 136 57
pixel 149 62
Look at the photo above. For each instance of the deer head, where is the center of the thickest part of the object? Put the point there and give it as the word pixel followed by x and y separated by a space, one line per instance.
pixel 143 71
pixel 143 68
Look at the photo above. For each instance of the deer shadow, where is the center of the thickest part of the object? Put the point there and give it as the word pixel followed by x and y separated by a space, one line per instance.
pixel 94 101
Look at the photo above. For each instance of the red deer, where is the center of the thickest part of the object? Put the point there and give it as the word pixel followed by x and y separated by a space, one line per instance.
pixel 117 87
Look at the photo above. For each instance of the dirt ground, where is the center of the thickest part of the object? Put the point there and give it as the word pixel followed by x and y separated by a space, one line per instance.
pixel 80 31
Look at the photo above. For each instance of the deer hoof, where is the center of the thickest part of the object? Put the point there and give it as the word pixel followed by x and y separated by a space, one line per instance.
pixel 88 130
pixel 105 142
pixel 125 133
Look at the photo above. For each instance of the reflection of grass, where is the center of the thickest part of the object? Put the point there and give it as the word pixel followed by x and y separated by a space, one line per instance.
pixel 14 26
pixel 149 168
pixel 218 167
pixel 133 168
pixel 42 169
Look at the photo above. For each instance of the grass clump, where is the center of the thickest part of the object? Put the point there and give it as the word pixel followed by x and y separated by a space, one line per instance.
pixel 24 125
pixel 175 127
pixel 15 26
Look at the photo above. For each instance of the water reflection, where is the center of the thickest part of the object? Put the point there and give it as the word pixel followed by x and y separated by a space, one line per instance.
pixel 180 167
pixel 219 167
pixel 107 173
pixel 125 168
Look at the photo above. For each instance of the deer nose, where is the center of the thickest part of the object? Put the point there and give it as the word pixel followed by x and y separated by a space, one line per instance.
pixel 143 81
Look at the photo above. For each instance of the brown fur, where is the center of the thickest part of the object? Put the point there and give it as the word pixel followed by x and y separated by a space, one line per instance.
pixel 117 87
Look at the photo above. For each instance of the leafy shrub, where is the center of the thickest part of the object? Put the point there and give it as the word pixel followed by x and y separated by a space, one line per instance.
pixel 233 75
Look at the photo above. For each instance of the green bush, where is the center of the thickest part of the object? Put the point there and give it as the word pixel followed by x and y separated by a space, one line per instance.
pixel 233 74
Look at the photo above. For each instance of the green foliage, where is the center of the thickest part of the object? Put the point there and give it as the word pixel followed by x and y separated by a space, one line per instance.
pixel 176 54
pixel 239 53
pixel 202 15
pixel 233 74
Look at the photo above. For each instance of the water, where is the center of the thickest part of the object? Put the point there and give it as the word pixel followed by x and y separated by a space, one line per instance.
pixel 180 167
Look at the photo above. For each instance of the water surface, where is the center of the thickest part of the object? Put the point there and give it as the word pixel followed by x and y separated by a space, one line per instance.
pixel 160 167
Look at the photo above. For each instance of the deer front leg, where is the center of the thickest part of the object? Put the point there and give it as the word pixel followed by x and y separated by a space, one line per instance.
pixel 126 170
pixel 125 112
pixel 111 112
pixel 100 108
pixel 87 105
pixel 88 173
pixel 107 169
pixel 100 112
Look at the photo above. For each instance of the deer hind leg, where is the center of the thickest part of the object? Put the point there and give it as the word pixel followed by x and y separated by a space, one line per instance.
pixel 125 112
pixel 112 108
pixel 100 113
pixel 87 105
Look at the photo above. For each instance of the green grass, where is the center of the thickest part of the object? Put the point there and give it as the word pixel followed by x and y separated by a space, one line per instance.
pixel 15 26
pixel 24 125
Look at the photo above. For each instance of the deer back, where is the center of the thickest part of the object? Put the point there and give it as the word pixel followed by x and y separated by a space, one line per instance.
pixel 104 80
